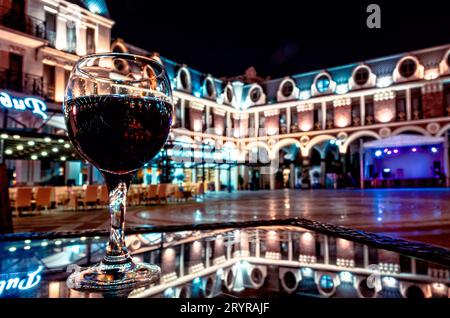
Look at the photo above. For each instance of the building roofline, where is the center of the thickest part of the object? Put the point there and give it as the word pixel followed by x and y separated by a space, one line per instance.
pixel 354 64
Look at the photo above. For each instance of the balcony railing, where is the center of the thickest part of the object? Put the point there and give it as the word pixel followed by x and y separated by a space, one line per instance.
pixel 21 22
pixel 22 82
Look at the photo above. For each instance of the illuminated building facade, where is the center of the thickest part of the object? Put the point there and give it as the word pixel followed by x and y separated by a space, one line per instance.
pixel 376 123
pixel 40 40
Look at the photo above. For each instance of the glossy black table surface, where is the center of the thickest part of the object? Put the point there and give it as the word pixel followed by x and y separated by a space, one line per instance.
pixel 294 257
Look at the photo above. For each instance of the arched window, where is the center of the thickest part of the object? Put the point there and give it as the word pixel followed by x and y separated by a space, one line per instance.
pixel 323 83
pixel 408 67
pixel 361 76
pixel 255 94
pixel 210 90
pixel 287 89
pixel 184 79
pixel 229 94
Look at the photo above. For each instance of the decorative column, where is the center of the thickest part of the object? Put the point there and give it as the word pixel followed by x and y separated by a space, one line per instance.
pixel 256 124
pixel 361 164
pixel 408 104
pixel 208 113
pixel 228 125
pixel 183 116
pixel 243 125
pixel 306 181
pixel 324 115
pixel 291 176
pixel 362 109
pixel 217 179
pixel 288 120
pixel 322 170
pixel 272 180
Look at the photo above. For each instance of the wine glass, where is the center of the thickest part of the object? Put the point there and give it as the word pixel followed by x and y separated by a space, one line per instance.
pixel 118 111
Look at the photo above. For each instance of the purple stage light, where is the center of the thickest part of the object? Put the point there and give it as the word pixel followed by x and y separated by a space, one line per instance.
pixel 414 149
pixel 433 149
pixel 395 150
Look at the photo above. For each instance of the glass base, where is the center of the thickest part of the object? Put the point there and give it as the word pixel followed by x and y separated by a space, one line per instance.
pixel 110 277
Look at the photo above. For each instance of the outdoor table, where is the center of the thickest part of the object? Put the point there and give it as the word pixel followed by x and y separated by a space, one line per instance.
pixel 276 258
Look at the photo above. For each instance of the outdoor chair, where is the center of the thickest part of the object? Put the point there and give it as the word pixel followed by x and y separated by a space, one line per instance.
pixel 90 196
pixel 43 198
pixel 23 199
pixel 103 197
pixel 151 193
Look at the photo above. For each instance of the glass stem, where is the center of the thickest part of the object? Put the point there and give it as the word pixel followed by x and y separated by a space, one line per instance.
pixel 116 251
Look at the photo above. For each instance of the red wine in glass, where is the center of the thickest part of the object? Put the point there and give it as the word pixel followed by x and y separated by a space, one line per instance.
pixel 118 111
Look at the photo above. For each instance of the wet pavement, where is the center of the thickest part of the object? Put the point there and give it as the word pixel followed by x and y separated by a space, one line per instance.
pixel 414 214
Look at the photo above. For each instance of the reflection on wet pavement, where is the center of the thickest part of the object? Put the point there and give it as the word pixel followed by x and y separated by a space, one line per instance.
pixel 414 214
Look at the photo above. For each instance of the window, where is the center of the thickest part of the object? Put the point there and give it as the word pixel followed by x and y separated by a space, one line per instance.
pixel 255 94
pixel 209 86
pixel 251 121
pixel 90 41
pixel 323 84
pixel 49 81
pixel 407 68
pixel 262 120
pixel 187 115
pixel 287 89
pixel 326 283
pixel 229 94
pixel 50 28
pixel 184 80
pixel 71 37
pixel 361 76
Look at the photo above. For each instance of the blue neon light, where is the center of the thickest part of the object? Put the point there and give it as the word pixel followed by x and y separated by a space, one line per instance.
pixel 16 282
pixel 36 106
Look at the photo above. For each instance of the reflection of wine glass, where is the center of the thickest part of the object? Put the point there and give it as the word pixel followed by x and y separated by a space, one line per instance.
pixel 118 111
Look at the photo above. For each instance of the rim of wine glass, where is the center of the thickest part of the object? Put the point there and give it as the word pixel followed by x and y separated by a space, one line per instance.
pixel 125 55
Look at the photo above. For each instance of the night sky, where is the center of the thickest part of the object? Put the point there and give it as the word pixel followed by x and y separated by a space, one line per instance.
pixel 278 38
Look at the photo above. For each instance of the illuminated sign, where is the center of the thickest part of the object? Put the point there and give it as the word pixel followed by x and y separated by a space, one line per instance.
pixel 36 106
pixel 18 282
